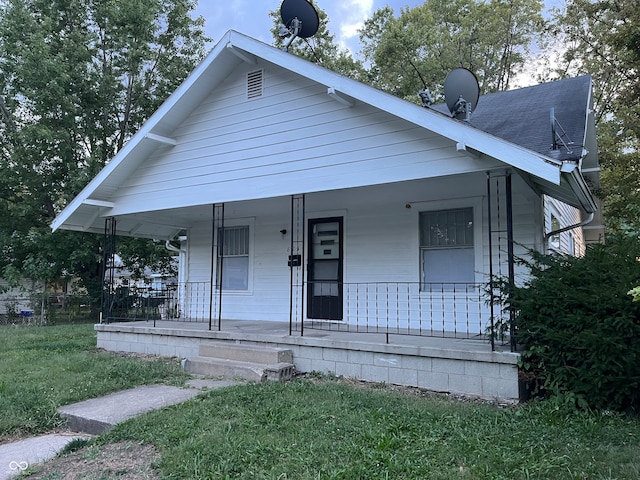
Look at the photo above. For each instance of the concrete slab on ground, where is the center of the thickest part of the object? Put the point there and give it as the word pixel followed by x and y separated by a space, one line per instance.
pixel 18 456
pixel 97 415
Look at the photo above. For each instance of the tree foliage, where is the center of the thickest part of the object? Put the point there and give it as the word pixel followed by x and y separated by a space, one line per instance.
pixel 422 44
pixel 77 79
pixel 600 38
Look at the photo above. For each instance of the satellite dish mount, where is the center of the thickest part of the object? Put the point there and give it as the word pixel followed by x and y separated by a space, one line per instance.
pixel 299 19
pixel 461 92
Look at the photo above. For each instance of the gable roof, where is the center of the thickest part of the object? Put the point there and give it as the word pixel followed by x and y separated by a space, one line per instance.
pixel 538 116
pixel 524 117
pixel 96 199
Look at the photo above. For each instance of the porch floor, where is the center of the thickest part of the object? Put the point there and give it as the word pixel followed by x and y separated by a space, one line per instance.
pixel 278 332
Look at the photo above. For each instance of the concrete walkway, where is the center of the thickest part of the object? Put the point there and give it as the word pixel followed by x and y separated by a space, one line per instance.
pixel 95 416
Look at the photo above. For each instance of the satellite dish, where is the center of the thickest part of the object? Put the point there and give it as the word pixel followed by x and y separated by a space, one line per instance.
pixel 461 92
pixel 300 19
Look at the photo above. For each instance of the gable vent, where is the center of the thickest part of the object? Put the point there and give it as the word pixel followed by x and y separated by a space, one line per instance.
pixel 254 84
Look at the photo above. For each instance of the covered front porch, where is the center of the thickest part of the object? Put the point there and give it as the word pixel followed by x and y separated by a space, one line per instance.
pixel 357 261
pixel 464 366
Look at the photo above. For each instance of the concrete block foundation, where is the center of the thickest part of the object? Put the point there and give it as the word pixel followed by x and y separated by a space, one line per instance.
pixel 465 367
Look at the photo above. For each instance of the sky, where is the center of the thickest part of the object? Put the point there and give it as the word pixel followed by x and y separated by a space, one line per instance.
pixel 346 17
pixel 251 17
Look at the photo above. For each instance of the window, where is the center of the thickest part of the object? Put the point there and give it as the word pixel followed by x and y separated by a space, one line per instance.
pixel 446 246
pixel 233 250
pixel 554 240
pixel 572 245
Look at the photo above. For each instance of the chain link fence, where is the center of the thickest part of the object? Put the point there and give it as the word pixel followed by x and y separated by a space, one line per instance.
pixel 47 309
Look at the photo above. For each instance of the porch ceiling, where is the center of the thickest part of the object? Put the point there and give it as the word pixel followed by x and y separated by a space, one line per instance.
pixel 165 224
pixel 162 224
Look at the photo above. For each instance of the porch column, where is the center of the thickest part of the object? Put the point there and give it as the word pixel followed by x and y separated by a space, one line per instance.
pixel 215 279
pixel 510 259
pixel 297 263
pixel 108 269
pixel 491 285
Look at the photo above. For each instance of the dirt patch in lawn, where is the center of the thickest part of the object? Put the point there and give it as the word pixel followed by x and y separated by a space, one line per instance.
pixel 123 460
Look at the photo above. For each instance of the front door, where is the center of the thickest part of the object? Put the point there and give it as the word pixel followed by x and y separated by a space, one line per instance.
pixel 324 294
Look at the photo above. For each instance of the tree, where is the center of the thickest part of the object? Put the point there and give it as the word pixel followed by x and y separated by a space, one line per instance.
pixel 424 43
pixel 602 39
pixel 321 48
pixel 77 79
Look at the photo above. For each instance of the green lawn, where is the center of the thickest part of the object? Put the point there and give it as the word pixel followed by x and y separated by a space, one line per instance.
pixel 43 368
pixel 329 429
pixel 314 428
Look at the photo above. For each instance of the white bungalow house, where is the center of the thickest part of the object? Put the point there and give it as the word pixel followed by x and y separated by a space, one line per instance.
pixel 351 226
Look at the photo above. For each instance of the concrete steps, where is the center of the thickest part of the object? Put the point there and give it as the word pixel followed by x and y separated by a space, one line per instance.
pixel 255 363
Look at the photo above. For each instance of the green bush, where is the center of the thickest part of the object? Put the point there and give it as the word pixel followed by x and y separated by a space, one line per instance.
pixel 580 329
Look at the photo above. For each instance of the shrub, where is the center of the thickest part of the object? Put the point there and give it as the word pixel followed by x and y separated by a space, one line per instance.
pixel 579 328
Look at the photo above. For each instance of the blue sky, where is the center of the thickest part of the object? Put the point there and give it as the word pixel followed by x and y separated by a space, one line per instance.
pixel 252 16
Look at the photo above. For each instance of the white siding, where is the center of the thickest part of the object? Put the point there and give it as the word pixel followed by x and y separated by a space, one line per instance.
pixel 570 242
pixel 291 140
pixel 381 242
pixel 527 226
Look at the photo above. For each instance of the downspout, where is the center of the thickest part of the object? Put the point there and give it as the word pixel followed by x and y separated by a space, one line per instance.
pixel 589 219
pixel 576 182
pixel 170 247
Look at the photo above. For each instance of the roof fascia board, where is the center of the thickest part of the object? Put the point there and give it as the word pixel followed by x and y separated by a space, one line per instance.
pixel 516 156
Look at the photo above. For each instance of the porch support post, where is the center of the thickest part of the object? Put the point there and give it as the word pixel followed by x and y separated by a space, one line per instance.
pixel 296 262
pixel 108 269
pixel 303 228
pixel 217 246
pixel 291 265
pixel 510 259
pixel 491 294
pixel 213 263
pixel 221 246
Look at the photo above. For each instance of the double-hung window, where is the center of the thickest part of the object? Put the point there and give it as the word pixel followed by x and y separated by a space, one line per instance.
pixel 233 257
pixel 446 246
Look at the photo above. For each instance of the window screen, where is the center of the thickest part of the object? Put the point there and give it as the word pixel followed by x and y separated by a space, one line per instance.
pixel 446 246
pixel 446 228
pixel 234 247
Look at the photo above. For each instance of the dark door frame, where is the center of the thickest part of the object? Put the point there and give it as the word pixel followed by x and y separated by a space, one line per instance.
pixel 325 307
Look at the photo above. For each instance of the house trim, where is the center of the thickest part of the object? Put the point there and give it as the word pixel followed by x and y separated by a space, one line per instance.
pixel 222 60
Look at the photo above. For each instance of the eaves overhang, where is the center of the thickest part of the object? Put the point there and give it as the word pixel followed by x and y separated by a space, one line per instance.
pixel 93 202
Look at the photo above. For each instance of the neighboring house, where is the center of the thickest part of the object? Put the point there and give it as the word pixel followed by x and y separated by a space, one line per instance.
pixel 302 196
pixel 14 300
pixel 148 280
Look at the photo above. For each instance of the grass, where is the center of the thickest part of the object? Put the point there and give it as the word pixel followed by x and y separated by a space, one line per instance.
pixel 43 368
pixel 328 428
pixel 320 430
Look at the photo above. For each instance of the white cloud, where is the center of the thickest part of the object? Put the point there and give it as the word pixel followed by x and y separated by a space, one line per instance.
pixel 350 17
